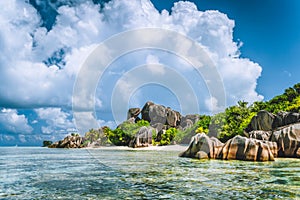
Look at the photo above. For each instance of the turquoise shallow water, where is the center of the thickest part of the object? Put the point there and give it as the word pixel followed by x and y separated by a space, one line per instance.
pixel 42 173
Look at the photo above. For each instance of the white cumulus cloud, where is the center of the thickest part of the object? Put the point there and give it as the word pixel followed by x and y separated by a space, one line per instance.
pixel 38 66
pixel 12 122
pixel 56 120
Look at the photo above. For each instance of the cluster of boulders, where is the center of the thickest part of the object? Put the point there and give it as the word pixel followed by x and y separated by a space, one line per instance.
pixel 267 121
pixel 143 138
pixel 91 139
pixel 287 140
pixel 237 148
pixel 71 141
pixel 283 128
pixel 270 136
pixel 159 115
pixel 161 118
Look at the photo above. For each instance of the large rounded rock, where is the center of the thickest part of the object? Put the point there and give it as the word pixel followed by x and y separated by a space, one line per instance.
pixel 160 114
pixel 279 120
pixel 143 138
pixel 145 111
pixel 193 117
pixel 133 113
pixel 249 149
pixel 188 121
pixel 288 140
pixel 173 117
pixel 290 118
pixel 201 146
pixel 154 113
pixel 159 127
pixel 266 121
pixel 262 121
pixel 157 114
pixel 285 118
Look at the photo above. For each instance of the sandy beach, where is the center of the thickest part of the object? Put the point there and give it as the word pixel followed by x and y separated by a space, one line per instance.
pixel 176 147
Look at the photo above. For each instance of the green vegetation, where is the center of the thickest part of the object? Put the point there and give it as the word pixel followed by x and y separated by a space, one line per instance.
pixel 142 122
pixel 75 134
pixel 235 119
pixel 224 125
pixel 95 136
pixel 202 126
pixel 125 132
pixel 232 122
pixel 165 138
pixel 47 143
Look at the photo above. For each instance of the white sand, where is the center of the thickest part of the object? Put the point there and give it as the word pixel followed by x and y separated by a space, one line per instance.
pixel 150 148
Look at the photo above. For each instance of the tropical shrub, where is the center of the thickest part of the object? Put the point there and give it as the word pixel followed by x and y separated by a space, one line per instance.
pixel 168 136
pixel 125 132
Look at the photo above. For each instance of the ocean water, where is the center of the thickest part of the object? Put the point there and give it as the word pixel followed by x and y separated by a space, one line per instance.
pixel 42 173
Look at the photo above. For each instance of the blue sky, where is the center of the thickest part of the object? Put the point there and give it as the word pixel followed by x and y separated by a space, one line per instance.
pixel 254 46
pixel 270 32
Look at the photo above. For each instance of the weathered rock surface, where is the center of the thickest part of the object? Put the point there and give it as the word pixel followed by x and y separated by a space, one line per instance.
pixel 267 121
pixel 260 135
pixel 159 127
pixel 71 141
pixel 237 148
pixel 298 153
pixel 154 113
pixel 201 147
pixel 145 111
pixel 248 149
pixel 285 118
pixel 262 121
pixel 173 117
pixel 143 138
pixel 157 114
pixel 188 121
pixel 160 130
pixel 133 113
pixel 288 140
pixel 185 124
pixel 160 114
